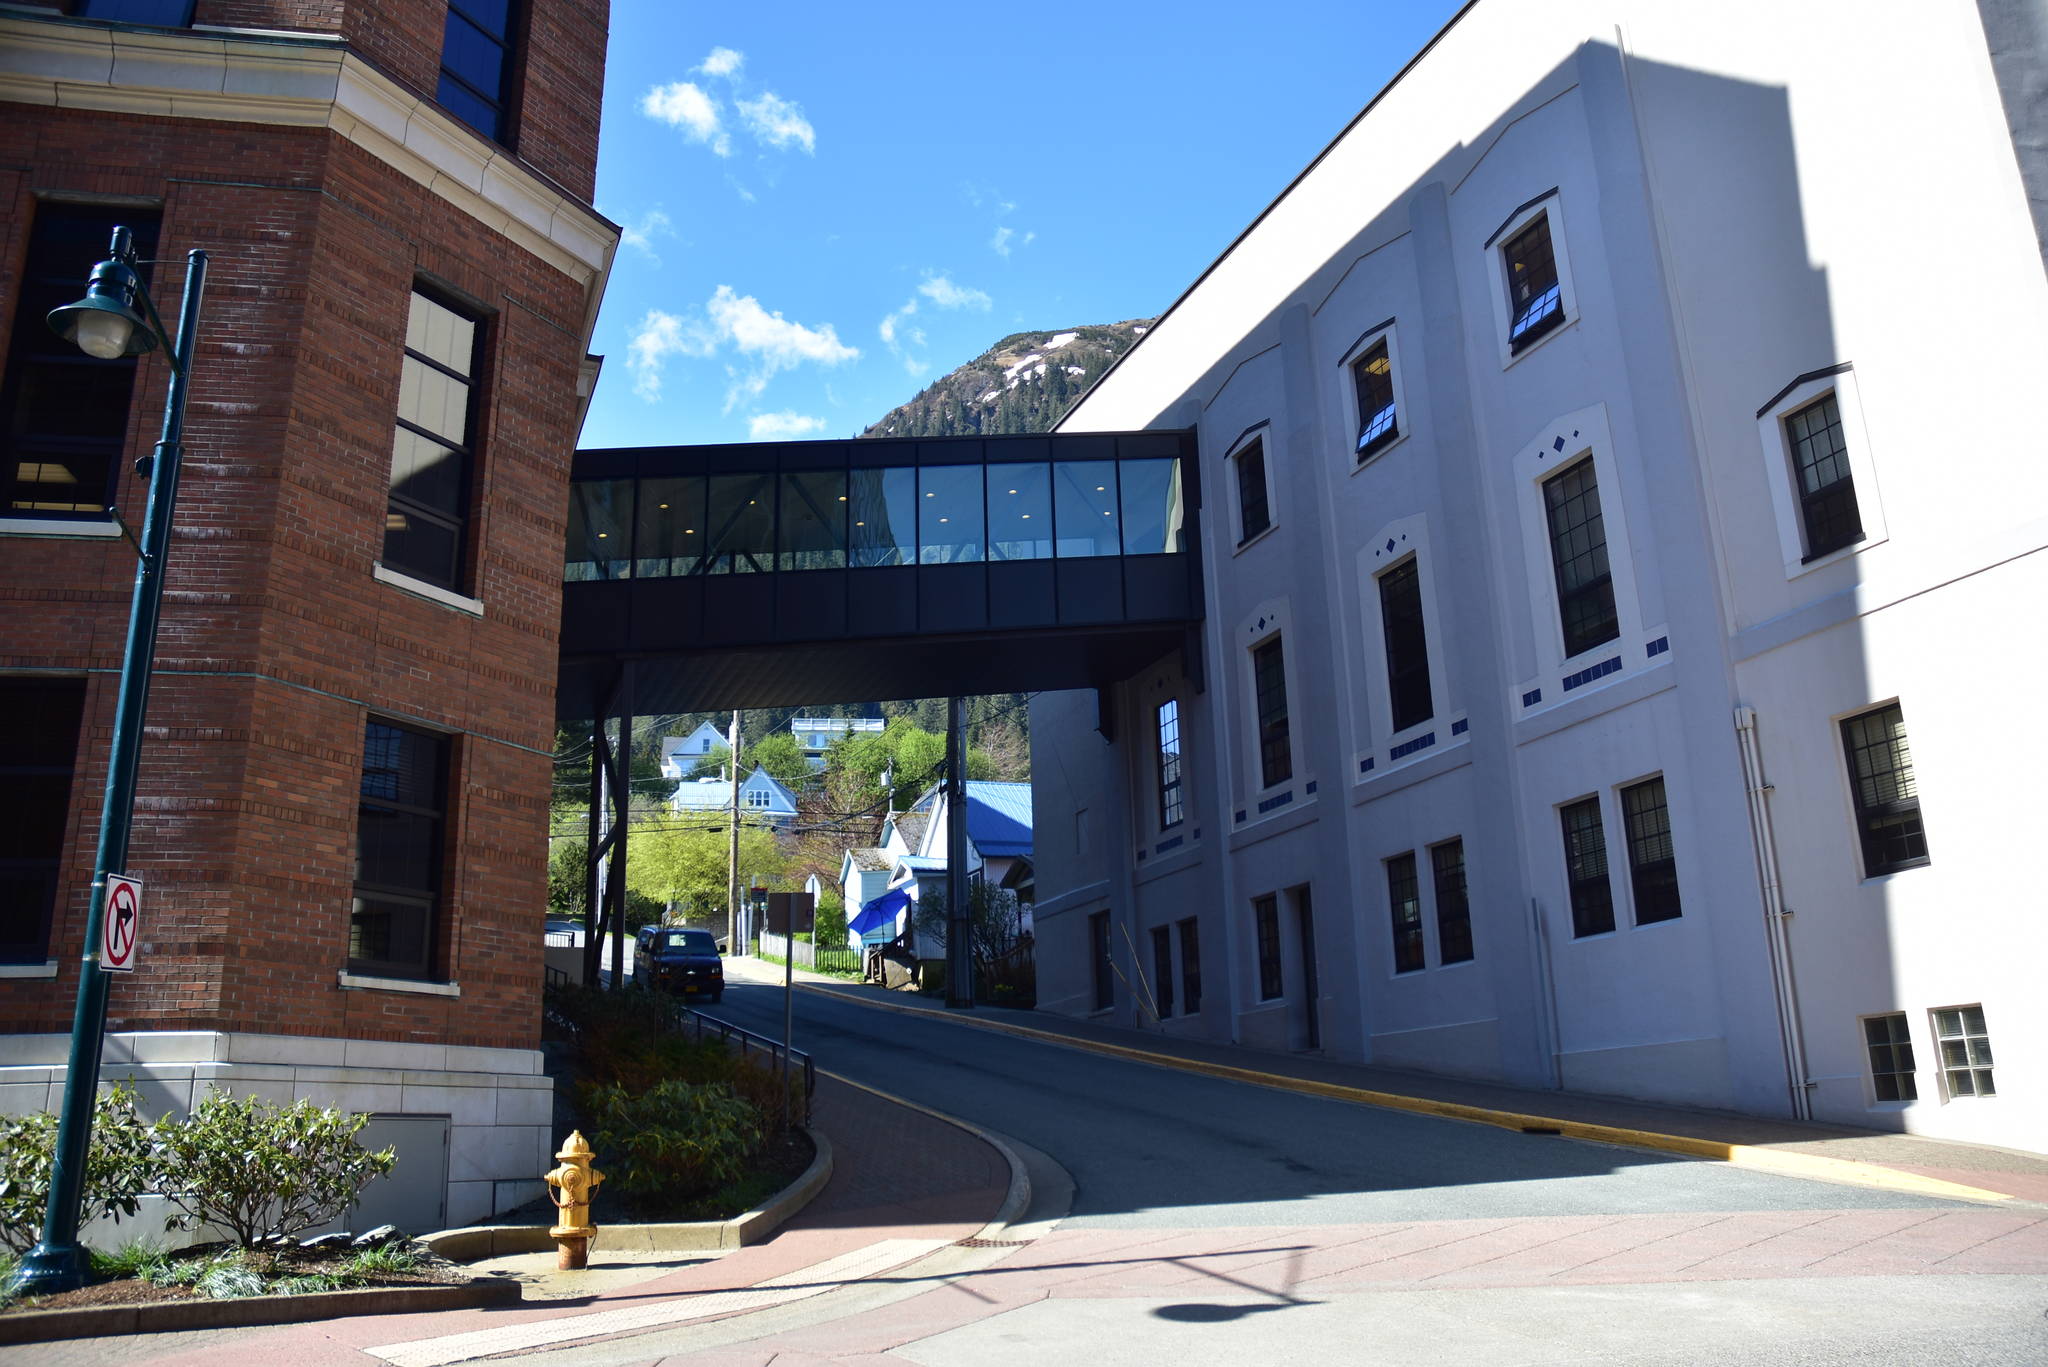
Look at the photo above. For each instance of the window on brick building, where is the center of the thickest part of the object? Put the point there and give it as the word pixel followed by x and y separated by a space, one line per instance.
pixel 476 64
pixel 38 750
pixel 64 413
pixel 426 519
pixel 161 13
pixel 400 824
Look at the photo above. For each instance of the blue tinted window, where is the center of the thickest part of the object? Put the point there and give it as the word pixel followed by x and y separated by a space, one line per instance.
pixel 162 13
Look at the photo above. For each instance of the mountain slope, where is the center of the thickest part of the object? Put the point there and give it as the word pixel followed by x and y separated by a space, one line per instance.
pixel 1023 383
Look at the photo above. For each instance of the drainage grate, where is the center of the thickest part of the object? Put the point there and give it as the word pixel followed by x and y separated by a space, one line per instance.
pixel 991 1243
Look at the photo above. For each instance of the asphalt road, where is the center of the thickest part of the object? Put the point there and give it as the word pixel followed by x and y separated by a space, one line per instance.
pixel 1156 1148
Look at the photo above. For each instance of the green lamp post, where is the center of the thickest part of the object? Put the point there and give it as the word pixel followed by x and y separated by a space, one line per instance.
pixel 106 324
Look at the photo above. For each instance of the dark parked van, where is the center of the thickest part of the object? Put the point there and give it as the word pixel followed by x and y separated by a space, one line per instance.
pixel 684 961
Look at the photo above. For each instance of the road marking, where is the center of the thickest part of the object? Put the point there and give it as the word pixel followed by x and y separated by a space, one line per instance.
pixel 799 1285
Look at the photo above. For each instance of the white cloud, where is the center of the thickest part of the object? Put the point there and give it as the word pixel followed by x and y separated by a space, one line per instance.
pixel 683 106
pixel 660 336
pixel 945 294
pixel 1001 242
pixel 723 61
pixel 778 122
pixel 787 423
pixel 746 196
pixel 891 321
pixel 654 223
pixel 769 341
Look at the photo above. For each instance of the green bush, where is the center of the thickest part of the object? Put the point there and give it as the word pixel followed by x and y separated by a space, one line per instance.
pixel 257 1170
pixel 120 1165
pixel 676 1141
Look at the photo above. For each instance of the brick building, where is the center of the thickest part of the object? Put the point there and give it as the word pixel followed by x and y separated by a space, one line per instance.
pixel 344 779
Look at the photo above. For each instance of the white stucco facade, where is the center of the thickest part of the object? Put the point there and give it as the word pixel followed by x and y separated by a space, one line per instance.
pixel 1778 211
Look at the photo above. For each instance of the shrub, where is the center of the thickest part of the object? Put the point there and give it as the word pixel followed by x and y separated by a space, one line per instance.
pixel 119 1166
pixel 673 1142
pixel 257 1170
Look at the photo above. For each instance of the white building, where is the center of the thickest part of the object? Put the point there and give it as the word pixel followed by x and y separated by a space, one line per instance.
pixel 681 754
pixel 1619 494
pixel 817 735
pixel 763 798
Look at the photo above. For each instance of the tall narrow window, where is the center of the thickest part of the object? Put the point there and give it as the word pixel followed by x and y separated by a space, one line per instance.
pixel 1253 515
pixel 1965 1044
pixel 425 522
pixel 1101 968
pixel 1266 924
pixel 1162 970
pixel 1891 1057
pixel 1269 678
pixel 1827 493
pixel 1190 966
pixel 1652 871
pixel 162 13
pixel 1372 376
pixel 1535 299
pixel 1887 796
pixel 399 825
pixel 1404 903
pixel 64 414
pixel 1170 810
pixel 1578 553
pixel 476 64
pixel 1585 860
pixel 1407 644
pixel 1453 908
pixel 38 750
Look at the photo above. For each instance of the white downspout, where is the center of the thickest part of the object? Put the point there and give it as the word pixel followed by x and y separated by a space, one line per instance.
pixel 1785 986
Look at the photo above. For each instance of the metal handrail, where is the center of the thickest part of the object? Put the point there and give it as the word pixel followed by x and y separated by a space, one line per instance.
pixel 727 1032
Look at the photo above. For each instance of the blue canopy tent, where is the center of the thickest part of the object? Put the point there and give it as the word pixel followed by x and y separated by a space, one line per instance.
pixel 876 923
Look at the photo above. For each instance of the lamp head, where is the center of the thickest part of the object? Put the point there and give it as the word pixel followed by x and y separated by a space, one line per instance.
pixel 105 323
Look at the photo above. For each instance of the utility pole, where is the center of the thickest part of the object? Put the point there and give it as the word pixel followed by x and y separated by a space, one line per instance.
pixel 732 871
pixel 959 918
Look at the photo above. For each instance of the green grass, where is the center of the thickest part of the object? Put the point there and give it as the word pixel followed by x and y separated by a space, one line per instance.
pixel 137 1259
pixel 391 1260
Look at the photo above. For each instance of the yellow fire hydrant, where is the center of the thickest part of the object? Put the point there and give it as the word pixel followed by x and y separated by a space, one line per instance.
pixel 572 1185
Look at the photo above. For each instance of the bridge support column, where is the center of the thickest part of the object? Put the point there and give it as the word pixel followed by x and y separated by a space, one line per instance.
pixel 959 905
pixel 604 903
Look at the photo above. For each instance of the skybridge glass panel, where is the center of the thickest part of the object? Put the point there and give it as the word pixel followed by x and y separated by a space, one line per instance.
pixel 600 523
pixel 741 525
pixel 1151 506
pixel 811 533
pixel 949 514
pixel 882 507
pixel 670 538
pixel 1020 512
pixel 1084 508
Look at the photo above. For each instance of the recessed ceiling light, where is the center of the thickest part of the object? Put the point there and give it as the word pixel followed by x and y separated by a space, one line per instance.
pixel 1027 517
pixel 664 505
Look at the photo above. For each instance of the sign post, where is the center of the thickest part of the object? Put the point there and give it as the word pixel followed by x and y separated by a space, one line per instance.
pixel 121 928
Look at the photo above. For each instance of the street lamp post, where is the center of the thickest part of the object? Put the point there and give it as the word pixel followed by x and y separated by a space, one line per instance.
pixel 106 324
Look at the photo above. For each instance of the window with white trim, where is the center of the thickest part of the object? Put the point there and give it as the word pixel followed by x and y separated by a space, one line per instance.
pixel 1652 867
pixel 1535 291
pixel 1372 383
pixel 1407 644
pixel 1269 688
pixel 1822 475
pixel 1886 793
pixel 426 521
pixel 1827 487
pixel 1585 859
pixel 1171 810
pixel 1453 905
pixel 1578 556
pixel 1404 907
pixel 1965 1047
pixel 1254 498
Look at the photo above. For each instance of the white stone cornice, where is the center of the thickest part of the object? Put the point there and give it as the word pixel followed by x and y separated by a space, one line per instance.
pixel 304 82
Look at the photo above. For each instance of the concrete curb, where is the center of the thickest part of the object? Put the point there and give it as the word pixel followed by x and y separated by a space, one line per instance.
pixel 1779 1161
pixel 1016 1199
pixel 150 1317
pixel 749 1227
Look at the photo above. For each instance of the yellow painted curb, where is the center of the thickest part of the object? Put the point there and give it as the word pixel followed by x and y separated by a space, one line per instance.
pixel 1781 1161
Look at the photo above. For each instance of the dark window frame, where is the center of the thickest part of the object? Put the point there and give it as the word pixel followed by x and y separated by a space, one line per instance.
pixel 1190 965
pixel 1379 418
pixel 1102 962
pixel 1535 299
pixel 1172 807
pixel 1404 631
pixel 1453 902
pixel 1888 1044
pixel 1404 911
pixel 1269 690
pixel 109 11
pixel 456 523
pixel 1254 502
pixel 512 42
pixel 1587 614
pixel 1652 862
pixel 65 239
pixel 1889 827
pixel 1586 868
pixel 1830 518
pixel 33 844
pixel 427 901
pixel 1266 930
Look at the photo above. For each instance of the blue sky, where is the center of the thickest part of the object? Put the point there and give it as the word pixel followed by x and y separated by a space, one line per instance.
pixel 828 206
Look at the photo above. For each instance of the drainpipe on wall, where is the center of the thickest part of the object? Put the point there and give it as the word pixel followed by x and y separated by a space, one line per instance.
pixel 1783 982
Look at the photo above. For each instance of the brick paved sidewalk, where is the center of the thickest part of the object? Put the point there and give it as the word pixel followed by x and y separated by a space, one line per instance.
pixel 898 1174
pixel 2022 1176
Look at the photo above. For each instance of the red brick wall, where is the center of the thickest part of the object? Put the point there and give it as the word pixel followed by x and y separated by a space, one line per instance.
pixel 276 640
